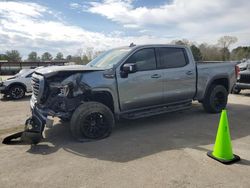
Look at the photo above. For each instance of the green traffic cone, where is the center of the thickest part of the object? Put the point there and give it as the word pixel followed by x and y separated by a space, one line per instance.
pixel 223 148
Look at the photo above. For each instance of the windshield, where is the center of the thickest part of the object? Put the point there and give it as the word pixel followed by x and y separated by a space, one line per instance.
pixel 109 58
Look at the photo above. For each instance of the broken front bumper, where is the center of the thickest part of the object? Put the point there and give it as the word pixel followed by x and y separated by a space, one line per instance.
pixel 42 115
pixel 32 133
pixel 34 127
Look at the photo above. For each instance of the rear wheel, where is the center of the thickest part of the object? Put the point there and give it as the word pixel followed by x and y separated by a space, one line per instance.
pixel 91 120
pixel 17 92
pixel 216 99
pixel 236 90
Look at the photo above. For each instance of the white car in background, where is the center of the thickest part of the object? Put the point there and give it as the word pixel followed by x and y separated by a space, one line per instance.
pixel 243 65
pixel 17 85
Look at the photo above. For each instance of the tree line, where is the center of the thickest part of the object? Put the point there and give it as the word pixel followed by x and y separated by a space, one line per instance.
pixel 201 52
pixel 81 57
pixel 217 52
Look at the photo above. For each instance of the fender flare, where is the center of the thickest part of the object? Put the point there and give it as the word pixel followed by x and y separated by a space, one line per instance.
pixel 113 95
pixel 224 76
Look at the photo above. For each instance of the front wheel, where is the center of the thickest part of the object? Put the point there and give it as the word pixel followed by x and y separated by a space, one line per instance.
pixel 216 99
pixel 91 120
pixel 17 92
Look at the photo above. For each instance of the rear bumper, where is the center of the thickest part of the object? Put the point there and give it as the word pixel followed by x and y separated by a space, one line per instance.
pixel 242 85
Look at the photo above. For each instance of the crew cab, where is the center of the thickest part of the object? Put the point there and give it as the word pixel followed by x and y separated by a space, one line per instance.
pixel 127 82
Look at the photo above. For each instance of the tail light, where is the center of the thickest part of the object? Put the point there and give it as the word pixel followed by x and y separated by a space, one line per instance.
pixel 237 72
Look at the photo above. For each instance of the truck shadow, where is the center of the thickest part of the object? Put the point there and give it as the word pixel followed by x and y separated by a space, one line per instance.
pixel 144 137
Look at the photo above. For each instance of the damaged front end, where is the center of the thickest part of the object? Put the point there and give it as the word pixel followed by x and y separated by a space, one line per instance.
pixel 54 96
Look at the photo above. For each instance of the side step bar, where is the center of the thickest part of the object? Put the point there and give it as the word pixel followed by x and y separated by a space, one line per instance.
pixel 157 110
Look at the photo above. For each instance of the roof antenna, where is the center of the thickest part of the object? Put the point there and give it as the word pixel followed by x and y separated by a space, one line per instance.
pixel 132 44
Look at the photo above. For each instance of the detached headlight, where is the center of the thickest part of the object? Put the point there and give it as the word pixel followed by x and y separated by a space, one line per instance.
pixel 62 90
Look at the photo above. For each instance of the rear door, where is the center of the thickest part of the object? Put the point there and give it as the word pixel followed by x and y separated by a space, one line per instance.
pixel 179 74
pixel 144 88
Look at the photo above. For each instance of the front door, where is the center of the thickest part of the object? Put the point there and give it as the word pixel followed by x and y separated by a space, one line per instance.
pixel 143 88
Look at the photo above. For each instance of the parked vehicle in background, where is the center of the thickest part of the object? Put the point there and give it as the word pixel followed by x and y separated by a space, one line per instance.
pixel 129 82
pixel 243 65
pixel 243 81
pixel 17 85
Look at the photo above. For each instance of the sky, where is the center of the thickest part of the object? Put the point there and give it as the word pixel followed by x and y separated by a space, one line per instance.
pixel 69 25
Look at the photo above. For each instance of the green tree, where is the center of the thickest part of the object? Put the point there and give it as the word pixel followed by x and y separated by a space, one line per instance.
pixel 33 57
pixel 3 57
pixel 77 59
pixel 89 53
pixel 182 42
pixel 196 53
pixel 225 42
pixel 13 56
pixel 69 58
pixel 241 52
pixel 225 54
pixel 85 59
pixel 210 52
pixel 59 56
pixel 47 56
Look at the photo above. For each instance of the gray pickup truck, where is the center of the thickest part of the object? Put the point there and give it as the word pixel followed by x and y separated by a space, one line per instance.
pixel 127 82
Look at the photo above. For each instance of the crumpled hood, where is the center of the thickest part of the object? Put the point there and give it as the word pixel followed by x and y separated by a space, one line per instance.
pixel 52 70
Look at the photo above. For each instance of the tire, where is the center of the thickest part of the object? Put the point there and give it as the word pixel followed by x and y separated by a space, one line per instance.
pixel 236 90
pixel 216 99
pixel 91 121
pixel 64 120
pixel 17 92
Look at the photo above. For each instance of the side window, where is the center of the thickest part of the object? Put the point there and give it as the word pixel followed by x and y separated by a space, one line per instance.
pixel 172 57
pixel 144 59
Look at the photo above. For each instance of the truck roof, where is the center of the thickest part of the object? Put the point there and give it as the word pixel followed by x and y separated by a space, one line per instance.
pixel 152 45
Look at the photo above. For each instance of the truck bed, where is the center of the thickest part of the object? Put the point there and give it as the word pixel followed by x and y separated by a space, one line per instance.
pixel 211 70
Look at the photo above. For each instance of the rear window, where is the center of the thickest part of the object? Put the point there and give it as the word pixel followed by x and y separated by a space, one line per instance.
pixel 172 57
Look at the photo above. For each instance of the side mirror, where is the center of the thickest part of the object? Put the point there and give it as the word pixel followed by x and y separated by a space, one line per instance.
pixel 129 68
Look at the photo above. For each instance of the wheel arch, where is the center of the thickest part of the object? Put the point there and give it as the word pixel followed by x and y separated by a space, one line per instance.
pixel 219 80
pixel 104 97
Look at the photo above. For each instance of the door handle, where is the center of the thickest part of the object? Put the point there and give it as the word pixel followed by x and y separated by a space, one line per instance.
pixel 155 76
pixel 189 72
